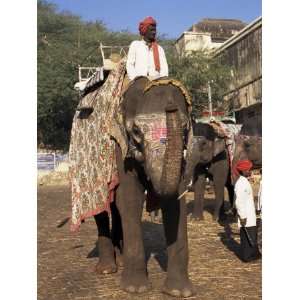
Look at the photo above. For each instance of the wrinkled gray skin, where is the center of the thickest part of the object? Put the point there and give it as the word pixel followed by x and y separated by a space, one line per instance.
pixel 158 168
pixel 247 147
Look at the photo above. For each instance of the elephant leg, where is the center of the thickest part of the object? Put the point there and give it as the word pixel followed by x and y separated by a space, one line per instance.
pixel 199 190
pixel 219 202
pixel 116 233
pixel 129 202
pixel 106 263
pixel 175 226
pixel 219 170
pixel 230 190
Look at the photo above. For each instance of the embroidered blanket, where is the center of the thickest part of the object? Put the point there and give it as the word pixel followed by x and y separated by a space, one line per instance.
pixel 93 172
pixel 228 132
pixel 177 83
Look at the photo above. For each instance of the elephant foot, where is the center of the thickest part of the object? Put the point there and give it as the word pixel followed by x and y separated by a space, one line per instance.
pixel 135 282
pixel 180 289
pixel 106 267
pixel 222 218
pixel 216 218
pixel 119 257
pixel 107 262
pixel 196 218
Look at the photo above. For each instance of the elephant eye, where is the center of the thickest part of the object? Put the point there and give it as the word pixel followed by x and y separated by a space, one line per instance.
pixel 137 134
pixel 135 129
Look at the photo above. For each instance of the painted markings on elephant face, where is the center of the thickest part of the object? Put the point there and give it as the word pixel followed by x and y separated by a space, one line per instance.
pixel 158 130
pixel 159 133
pixel 154 127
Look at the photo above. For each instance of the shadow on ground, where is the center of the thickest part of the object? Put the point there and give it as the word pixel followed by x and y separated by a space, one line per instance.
pixel 227 239
pixel 154 244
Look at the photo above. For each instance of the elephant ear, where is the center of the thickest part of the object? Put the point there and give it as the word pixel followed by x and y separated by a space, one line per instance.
pixel 118 132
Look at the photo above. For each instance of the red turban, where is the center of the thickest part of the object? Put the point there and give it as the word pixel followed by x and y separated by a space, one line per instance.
pixel 243 165
pixel 145 24
pixel 143 28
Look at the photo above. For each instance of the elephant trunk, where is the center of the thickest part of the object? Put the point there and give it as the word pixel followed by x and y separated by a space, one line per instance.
pixel 172 164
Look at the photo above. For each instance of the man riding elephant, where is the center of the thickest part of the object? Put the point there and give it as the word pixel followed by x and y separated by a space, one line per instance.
pixel 146 57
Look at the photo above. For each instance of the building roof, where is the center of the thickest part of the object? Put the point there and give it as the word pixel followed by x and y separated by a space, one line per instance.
pixel 241 34
pixel 220 29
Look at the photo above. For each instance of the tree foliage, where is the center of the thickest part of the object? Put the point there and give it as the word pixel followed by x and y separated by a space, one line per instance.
pixel 195 70
pixel 65 41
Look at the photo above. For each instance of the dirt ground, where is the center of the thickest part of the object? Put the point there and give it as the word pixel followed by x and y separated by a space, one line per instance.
pixel 66 260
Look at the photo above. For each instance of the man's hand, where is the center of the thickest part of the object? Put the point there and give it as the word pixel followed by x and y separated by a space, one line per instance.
pixel 243 221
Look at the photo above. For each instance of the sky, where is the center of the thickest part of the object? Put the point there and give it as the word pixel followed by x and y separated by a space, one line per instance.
pixel 172 16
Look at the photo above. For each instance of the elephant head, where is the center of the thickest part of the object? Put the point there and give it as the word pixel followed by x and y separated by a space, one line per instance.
pixel 157 123
pixel 205 145
pixel 248 147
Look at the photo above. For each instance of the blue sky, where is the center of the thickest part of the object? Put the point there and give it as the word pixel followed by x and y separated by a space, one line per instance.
pixel 173 16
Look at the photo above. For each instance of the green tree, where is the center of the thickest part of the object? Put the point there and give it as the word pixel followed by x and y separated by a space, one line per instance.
pixel 64 42
pixel 195 70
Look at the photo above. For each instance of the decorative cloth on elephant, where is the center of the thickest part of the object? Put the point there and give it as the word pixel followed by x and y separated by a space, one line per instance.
pixel 229 133
pixel 174 82
pixel 93 171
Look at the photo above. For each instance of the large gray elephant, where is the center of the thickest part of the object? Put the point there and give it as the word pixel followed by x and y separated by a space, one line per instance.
pixel 156 126
pixel 218 168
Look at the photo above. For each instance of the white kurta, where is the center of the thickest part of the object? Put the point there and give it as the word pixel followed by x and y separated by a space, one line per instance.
pixel 244 201
pixel 259 203
pixel 140 61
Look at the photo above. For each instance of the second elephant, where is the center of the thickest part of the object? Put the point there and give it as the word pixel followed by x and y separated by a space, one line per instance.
pixel 218 168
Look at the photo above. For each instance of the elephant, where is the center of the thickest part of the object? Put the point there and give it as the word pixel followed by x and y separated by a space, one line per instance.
pixel 218 168
pixel 248 147
pixel 157 128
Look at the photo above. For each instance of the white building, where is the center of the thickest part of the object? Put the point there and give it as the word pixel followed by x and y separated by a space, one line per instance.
pixel 208 34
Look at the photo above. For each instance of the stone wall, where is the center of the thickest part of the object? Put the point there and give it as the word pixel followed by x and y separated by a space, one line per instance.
pixel 243 53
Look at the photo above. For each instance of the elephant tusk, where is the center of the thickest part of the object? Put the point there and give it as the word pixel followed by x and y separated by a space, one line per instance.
pixel 180 196
pixel 186 191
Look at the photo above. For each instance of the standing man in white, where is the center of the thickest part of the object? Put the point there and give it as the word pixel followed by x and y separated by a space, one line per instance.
pixel 244 203
pixel 146 57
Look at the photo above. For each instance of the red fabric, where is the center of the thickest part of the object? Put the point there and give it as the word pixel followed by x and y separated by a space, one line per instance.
pixel 243 165
pixel 143 26
pixel 156 56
